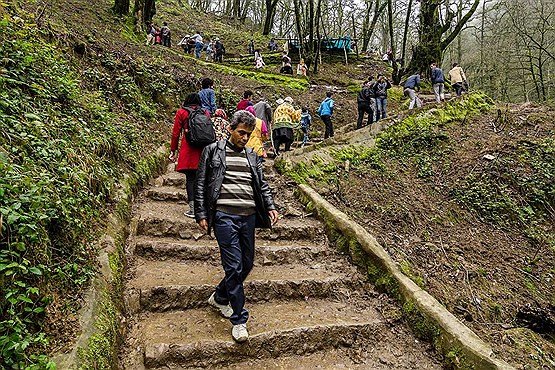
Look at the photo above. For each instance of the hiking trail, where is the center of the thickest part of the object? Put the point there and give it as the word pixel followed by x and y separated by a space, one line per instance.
pixel 309 307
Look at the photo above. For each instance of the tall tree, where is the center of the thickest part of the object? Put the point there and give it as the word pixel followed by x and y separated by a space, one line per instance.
pixel 431 39
pixel 121 7
pixel 270 14
pixel 143 10
pixel 367 26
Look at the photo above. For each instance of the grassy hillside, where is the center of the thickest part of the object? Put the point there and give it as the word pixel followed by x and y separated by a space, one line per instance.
pixel 77 115
pixel 463 198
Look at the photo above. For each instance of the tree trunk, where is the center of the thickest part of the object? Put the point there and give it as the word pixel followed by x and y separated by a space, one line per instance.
pixel 138 11
pixel 428 49
pixel 317 26
pixel 378 9
pixel 405 33
pixel 366 25
pixel 237 8
pixel 395 73
pixel 269 18
pixel 150 10
pixel 121 7
pixel 430 43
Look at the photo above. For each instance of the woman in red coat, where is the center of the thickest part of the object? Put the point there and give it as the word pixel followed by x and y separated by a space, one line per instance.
pixel 189 156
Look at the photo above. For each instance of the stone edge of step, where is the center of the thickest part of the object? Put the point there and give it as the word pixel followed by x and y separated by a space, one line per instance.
pixel 183 297
pixel 264 345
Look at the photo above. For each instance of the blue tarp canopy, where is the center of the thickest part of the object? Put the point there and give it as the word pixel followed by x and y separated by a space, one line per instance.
pixel 329 43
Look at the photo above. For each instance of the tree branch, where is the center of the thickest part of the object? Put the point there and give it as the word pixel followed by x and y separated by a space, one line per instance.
pixel 445 43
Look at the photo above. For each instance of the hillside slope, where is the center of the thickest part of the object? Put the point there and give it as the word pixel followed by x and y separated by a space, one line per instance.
pixel 464 201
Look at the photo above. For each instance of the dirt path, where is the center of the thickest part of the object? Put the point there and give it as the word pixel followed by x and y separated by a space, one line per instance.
pixel 309 307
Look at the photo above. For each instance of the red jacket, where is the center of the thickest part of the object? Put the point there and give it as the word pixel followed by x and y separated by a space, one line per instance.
pixel 189 156
pixel 243 104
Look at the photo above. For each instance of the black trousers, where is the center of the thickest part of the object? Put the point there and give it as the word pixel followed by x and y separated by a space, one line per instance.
pixel 364 108
pixel 190 177
pixel 280 136
pixel 329 126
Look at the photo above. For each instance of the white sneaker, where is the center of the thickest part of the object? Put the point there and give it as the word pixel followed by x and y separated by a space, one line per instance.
pixel 240 333
pixel 225 310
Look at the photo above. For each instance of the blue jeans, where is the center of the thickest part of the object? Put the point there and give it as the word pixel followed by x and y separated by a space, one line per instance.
pixel 235 236
pixel 198 48
pixel 381 105
pixel 305 135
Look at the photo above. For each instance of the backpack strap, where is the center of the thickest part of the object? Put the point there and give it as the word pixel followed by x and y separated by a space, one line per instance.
pixel 189 110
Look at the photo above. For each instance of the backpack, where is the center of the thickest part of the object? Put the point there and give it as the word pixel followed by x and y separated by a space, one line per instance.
pixel 201 130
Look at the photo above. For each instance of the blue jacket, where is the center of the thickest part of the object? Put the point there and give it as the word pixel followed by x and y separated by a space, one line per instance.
pixel 208 100
pixel 306 120
pixel 437 76
pixel 326 108
pixel 413 82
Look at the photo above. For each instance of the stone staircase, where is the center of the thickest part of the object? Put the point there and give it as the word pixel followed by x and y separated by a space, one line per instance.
pixel 309 307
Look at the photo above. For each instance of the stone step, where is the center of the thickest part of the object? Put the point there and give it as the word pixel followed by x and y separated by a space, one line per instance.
pixel 267 252
pixel 200 337
pixel 177 179
pixel 164 219
pixel 166 193
pixel 169 285
pixel 377 355
pixel 172 178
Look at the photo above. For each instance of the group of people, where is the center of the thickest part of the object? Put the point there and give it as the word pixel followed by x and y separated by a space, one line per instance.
pixel 281 122
pixel 456 76
pixel 214 49
pixel 158 35
pixel 372 100
pixel 287 69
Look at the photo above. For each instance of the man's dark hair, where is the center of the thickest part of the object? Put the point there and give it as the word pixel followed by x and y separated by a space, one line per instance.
pixel 192 99
pixel 454 65
pixel 247 94
pixel 165 23
pixel 207 82
pixel 244 117
pixel 329 94
pixel 370 78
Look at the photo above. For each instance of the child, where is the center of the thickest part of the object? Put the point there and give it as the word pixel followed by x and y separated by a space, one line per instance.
pixel 306 121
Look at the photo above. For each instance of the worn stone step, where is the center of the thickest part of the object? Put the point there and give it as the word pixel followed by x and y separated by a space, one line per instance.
pixel 200 337
pixel 268 252
pixel 377 355
pixel 170 285
pixel 165 219
pixel 166 193
pixel 172 178
pixel 176 179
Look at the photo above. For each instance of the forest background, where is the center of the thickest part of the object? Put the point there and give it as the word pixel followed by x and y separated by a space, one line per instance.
pixel 505 47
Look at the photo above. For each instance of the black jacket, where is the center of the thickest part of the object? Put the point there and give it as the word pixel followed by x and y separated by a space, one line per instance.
pixel 364 95
pixel 210 175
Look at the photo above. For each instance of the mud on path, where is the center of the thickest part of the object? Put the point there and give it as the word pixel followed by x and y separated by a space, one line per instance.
pixel 310 308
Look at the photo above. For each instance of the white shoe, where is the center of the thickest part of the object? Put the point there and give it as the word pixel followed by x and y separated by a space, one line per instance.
pixel 225 310
pixel 240 333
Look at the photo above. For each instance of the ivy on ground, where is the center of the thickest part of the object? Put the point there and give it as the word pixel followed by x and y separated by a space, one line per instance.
pixel 63 148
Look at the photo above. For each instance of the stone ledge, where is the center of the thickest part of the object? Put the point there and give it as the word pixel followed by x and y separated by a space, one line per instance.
pixel 452 336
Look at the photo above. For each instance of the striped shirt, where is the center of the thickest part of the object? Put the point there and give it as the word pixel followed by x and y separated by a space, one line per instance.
pixel 236 194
